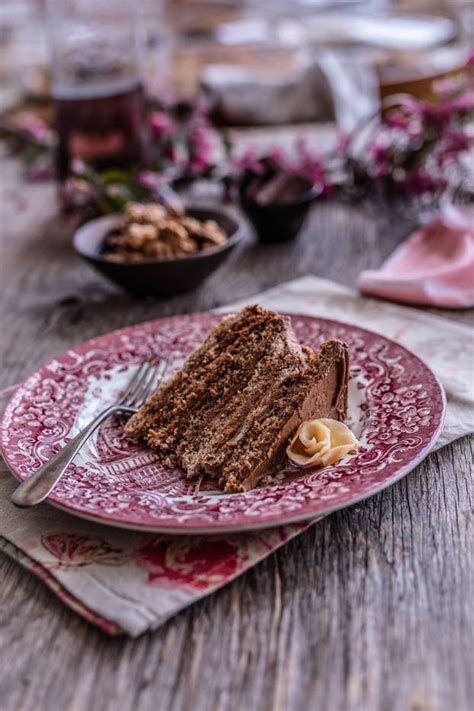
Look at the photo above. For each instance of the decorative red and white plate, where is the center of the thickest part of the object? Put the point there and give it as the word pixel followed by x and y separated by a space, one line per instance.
pixel 396 407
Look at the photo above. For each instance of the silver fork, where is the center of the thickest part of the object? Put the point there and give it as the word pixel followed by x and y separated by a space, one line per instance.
pixel 38 486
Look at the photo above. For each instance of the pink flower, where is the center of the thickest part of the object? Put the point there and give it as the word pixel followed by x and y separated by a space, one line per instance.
pixel 176 154
pixel 311 165
pixel 437 114
pixel 78 166
pixel 77 192
pixel 161 125
pixel 277 155
pixel 312 168
pixel 198 164
pixel 419 183
pixel 149 180
pixel 201 150
pixel 201 109
pixel 200 138
pixel 397 119
pixel 454 143
pixel 464 104
pixel 381 160
pixel 415 129
pixel 458 142
pixel 34 126
pixel 249 160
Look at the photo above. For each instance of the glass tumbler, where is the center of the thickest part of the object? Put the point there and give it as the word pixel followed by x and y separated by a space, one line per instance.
pixel 96 83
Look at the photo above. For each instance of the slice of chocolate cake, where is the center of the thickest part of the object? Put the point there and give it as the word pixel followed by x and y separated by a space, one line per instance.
pixel 231 409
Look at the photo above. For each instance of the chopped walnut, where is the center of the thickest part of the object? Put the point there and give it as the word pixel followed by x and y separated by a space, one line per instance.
pixel 193 226
pixel 161 250
pixel 138 235
pixel 150 231
pixel 150 213
pixel 213 233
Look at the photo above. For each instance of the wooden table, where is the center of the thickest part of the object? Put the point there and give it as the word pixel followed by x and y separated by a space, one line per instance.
pixel 369 610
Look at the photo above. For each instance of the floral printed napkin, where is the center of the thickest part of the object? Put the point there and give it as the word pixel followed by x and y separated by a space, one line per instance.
pixel 127 582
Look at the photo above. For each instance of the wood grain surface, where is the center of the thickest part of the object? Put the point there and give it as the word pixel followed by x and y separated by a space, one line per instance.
pixel 369 610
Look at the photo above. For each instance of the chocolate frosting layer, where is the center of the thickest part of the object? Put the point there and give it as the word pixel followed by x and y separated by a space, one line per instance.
pixel 325 397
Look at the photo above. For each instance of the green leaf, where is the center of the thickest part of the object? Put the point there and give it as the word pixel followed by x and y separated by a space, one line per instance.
pixel 115 175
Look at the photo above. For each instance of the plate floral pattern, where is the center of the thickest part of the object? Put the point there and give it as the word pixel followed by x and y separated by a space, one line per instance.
pixel 396 409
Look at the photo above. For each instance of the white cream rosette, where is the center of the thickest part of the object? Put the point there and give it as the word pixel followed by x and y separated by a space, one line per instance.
pixel 321 442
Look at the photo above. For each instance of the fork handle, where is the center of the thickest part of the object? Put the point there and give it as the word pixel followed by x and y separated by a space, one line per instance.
pixel 38 486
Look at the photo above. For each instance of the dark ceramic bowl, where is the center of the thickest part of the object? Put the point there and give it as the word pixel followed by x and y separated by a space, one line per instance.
pixel 278 221
pixel 163 278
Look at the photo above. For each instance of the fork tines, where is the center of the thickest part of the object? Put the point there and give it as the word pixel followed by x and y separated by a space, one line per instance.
pixel 143 382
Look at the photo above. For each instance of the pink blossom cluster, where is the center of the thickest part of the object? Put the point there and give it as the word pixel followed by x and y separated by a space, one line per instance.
pixel 179 147
pixel 301 161
pixel 182 144
pixel 415 150
pixel 418 143
pixel 35 128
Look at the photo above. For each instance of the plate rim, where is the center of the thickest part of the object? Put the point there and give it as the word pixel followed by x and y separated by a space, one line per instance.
pixel 177 529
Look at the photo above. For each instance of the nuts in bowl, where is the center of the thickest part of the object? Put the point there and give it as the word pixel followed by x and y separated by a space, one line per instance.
pixel 149 249
pixel 152 231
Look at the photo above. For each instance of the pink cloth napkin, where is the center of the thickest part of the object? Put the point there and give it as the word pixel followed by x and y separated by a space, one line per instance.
pixel 434 266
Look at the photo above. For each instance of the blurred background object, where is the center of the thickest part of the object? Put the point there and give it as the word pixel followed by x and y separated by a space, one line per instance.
pixel 96 82
pixel 171 84
pixel 310 60
pixel 182 42
pixel 23 51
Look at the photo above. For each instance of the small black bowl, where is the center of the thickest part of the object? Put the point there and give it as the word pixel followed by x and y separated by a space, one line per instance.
pixel 160 277
pixel 277 221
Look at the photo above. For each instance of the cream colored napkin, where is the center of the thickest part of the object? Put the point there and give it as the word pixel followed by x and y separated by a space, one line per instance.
pixel 130 582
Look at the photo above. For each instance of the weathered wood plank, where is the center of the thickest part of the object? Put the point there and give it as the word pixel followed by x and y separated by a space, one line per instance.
pixel 369 609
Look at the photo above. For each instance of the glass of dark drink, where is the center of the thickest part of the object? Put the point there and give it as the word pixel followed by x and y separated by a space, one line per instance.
pixel 96 84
